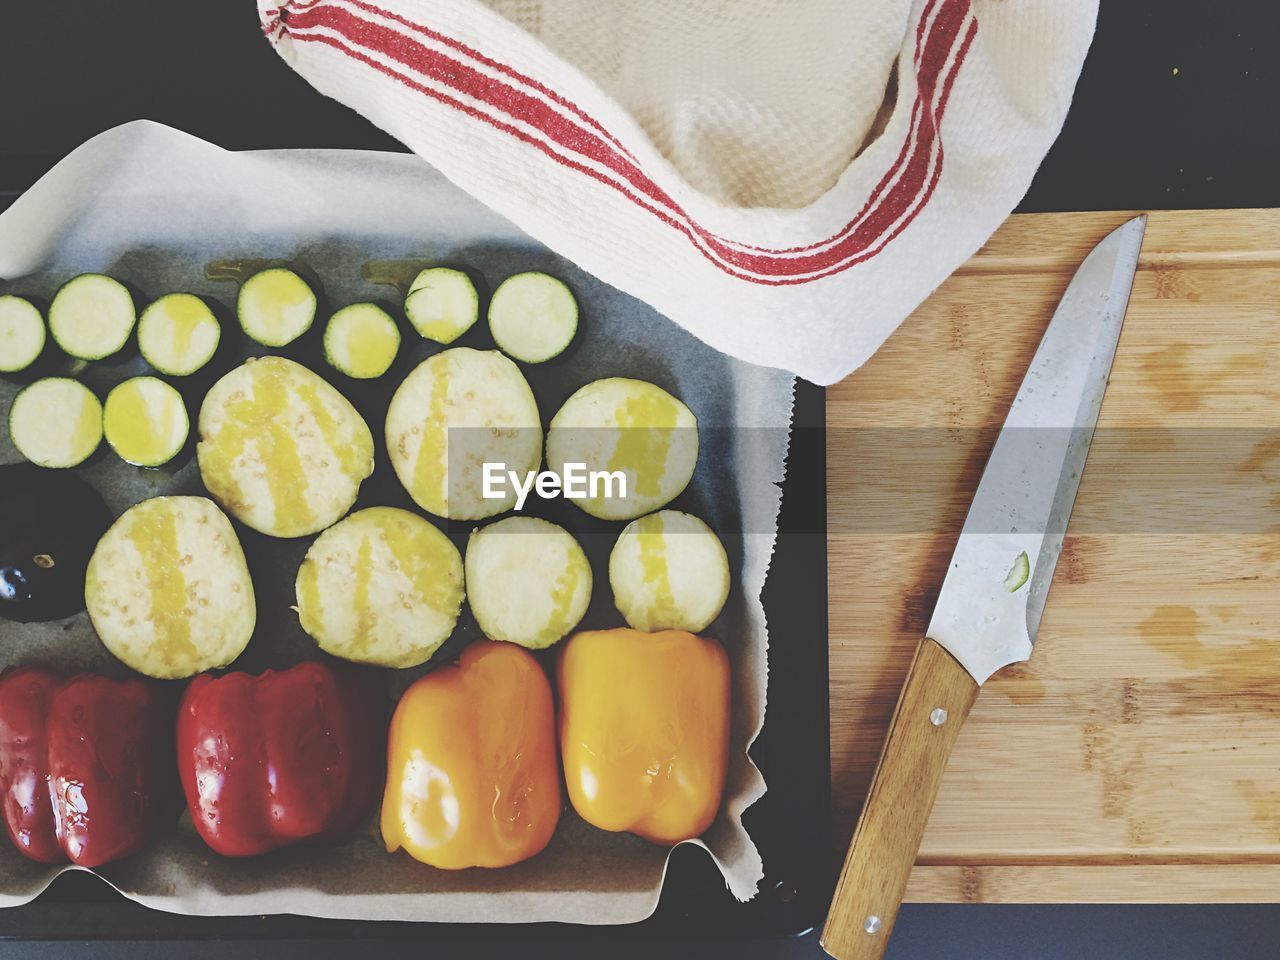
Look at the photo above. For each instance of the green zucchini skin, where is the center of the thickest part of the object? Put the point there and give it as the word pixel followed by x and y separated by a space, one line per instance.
pixel 77 312
pixel 533 317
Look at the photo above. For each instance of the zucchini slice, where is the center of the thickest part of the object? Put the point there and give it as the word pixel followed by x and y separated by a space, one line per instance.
pixel 276 307
pixel 669 571
pixel 453 413
pixel 178 334
pixel 533 317
pixel 92 316
pixel 528 581
pixel 22 335
pixel 280 449
pixel 629 427
pixel 56 422
pixel 168 589
pixel 442 304
pixel 383 586
pixel 145 421
pixel 361 341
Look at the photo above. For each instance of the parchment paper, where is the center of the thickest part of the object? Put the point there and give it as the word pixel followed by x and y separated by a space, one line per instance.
pixel 153 207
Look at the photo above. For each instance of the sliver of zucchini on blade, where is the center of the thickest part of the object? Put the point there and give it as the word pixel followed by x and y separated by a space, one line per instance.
pixel 453 413
pixel 669 571
pixel 442 304
pixel 280 449
pixel 178 334
pixel 383 586
pixel 361 340
pixel 632 427
pixel 275 307
pixel 145 421
pixel 92 316
pixel 56 422
pixel 22 334
pixel 533 317
pixel 528 581
pixel 168 590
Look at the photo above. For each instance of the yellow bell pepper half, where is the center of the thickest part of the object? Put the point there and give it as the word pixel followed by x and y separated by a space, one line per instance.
pixel 471 762
pixel 644 730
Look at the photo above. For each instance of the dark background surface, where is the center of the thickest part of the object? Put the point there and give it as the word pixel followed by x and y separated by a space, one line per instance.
pixel 1177 107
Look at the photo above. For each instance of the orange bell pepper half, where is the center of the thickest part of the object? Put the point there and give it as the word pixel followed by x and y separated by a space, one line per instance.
pixel 644 730
pixel 472 779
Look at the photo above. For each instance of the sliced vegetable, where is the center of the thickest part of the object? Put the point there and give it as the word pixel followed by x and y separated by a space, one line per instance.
pixel 644 730
pixel 280 449
pixel 442 304
pixel 22 335
pixel 453 413
pixel 168 590
pixel 279 758
pixel 361 341
pixel 276 307
pixel 533 317
pixel 383 586
pixel 49 525
pixel 56 422
pixel 471 762
pixel 528 581
pixel 178 334
pixel 669 571
pixel 1018 573
pixel 92 316
pixel 631 427
pixel 145 421
pixel 81 765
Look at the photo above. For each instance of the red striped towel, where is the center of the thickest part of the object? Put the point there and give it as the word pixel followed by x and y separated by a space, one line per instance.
pixel 787 180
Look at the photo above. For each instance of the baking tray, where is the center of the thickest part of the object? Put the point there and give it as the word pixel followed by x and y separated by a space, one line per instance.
pixel 791 824
pixel 791 829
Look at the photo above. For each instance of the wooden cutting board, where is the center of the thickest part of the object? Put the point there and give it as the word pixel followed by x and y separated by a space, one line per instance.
pixel 1136 757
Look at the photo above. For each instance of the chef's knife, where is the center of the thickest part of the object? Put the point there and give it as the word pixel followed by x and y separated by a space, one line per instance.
pixel 992 599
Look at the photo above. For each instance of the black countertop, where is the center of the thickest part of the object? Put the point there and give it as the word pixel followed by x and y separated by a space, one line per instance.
pixel 1177 107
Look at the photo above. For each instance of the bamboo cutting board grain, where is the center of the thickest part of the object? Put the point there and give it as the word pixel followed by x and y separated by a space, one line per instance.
pixel 1136 757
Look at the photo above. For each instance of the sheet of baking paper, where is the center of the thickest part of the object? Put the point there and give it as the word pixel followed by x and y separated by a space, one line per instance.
pixel 154 207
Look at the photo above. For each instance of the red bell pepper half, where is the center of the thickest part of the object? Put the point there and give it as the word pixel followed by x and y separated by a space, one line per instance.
pixel 276 759
pixel 82 764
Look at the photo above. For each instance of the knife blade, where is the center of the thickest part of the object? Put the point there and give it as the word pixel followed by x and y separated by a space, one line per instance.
pixel 989 609
pixel 993 596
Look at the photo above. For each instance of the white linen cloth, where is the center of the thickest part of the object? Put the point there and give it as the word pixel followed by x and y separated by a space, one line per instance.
pixel 787 179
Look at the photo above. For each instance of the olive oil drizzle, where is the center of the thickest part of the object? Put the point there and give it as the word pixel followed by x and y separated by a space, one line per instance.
pixel 565 589
pixel 261 418
pixel 186 315
pixel 645 424
pixel 154 534
pixel 422 556
pixel 366 619
pixel 430 470
pixel 649 532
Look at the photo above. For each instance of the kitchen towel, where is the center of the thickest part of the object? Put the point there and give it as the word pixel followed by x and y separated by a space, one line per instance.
pixel 787 179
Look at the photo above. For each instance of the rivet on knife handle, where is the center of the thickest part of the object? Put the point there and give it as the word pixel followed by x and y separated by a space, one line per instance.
pixel 936 697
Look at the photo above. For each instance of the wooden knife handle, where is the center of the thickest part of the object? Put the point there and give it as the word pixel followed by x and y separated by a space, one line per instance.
pixel 935 700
